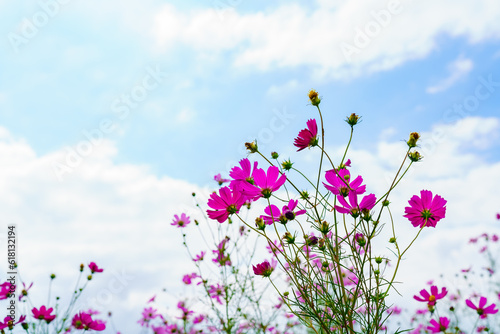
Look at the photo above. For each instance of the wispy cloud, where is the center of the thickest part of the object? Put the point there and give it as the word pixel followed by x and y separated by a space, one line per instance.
pixel 457 70
pixel 291 36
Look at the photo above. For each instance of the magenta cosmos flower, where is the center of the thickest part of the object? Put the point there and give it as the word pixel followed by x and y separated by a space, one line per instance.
pixel 84 320
pixel 264 183
pixel 288 213
pixel 243 174
pixel 43 314
pixel 94 268
pixel 430 298
pixel 425 210
pixel 264 269
pixel 340 182
pixel 353 208
pixel 481 309
pixel 5 290
pixel 181 221
pixel 225 204
pixel 307 137
pixel 440 326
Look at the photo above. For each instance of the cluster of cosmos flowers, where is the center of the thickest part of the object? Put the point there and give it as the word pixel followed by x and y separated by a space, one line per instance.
pixel 339 192
pixel 81 320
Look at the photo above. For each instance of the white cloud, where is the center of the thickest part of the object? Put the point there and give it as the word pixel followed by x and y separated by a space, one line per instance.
pixel 458 70
pixel 290 35
pixel 277 90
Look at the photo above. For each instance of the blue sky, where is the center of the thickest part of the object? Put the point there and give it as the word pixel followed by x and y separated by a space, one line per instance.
pixel 170 91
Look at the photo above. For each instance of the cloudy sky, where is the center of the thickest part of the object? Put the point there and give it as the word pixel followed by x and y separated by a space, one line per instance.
pixel 112 113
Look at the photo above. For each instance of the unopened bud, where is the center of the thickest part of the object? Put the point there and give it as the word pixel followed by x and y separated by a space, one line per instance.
pixel 82 266
pixel 353 119
pixel 290 239
pixel 378 259
pixel 392 240
pixel 414 156
pixel 89 277
pixel 321 244
pixel 313 97
pixel 324 227
pixel 274 155
pixel 304 195
pixel 287 164
pixel 386 202
pixel 412 142
pixel 259 223
pixel 252 147
pixel 52 276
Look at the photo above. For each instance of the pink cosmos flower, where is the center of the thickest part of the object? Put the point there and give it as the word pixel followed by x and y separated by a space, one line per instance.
pixel 84 320
pixel 43 314
pixel 199 319
pixel 148 314
pixel 307 137
pixel 394 310
pixel 199 257
pixel 24 292
pixel 498 216
pixel 217 292
pixel 367 203
pixel 181 221
pixel 440 326
pixel 8 323
pixel 222 258
pixel 218 178
pixel 481 309
pixel 265 268
pixel 274 247
pixel 430 298
pixel 225 204
pixel 94 268
pixel 340 182
pixel 5 290
pixel 283 216
pixel 425 210
pixel 264 183
pixel 187 279
pixel 243 174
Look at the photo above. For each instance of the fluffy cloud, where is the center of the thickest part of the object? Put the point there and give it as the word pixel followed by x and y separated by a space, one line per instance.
pixel 458 70
pixel 345 39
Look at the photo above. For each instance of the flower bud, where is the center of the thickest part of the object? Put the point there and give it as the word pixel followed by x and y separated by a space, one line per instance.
pixel 287 164
pixel 311 240
pixel 52 276
pixel 304 195
pixel 313 97
pixel 392 240
pixel 274 155
pixel 360 239
pixel 378 259
pixel 386 202
pixel 353 119
pixel 89 277
pixel 321 244
pixel 25 326
pixel 252 147
pixel 290 239
pixel 414 156
pixel 259 223
pixel 412 142
pixel 82 266
pixel 324 227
